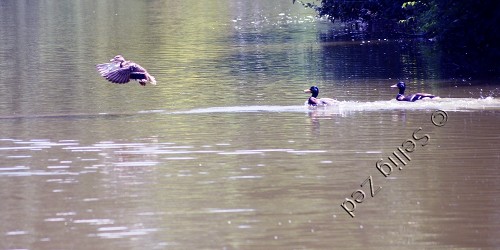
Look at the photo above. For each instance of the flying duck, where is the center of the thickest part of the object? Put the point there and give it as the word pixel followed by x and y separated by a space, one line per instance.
pixel 118 70
pixel 314 101
pixel 409 98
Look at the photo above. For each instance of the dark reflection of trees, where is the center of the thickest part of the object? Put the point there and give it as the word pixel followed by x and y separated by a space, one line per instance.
pixel 413 58
pixel 379 59
pixel 259 54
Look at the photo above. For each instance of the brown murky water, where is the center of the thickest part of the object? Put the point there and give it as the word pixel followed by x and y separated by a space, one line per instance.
pixel 222 153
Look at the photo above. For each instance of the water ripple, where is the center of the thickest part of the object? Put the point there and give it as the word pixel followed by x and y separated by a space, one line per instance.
pixel 455 104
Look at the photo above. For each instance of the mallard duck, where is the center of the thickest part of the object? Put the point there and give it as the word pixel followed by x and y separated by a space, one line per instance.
pixel 410 98
pixel 314 101
pixel 118 70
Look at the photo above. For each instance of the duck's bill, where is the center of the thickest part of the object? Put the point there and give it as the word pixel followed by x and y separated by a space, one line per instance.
pixel 307 91
pixel 394 86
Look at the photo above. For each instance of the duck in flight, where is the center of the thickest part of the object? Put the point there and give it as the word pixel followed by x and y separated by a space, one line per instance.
pixel 314 101
pixel 118 70
pixel 410 98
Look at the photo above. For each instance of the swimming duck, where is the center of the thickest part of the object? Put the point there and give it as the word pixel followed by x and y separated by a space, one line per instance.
pixel 121 71
pixel 314 101
pixel 410 98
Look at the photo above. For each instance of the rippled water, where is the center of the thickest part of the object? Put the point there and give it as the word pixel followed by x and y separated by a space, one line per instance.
pixel 222 153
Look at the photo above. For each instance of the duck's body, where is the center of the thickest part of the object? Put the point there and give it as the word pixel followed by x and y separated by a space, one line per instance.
pixel 410 98
pixel 314 101
pixel 121 71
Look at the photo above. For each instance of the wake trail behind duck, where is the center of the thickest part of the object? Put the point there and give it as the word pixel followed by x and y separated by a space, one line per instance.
pixel 449 104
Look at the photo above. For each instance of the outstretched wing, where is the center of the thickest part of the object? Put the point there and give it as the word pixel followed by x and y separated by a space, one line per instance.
pixel 120 75
pixel 107 67
pixel 124 72
pixel 113 72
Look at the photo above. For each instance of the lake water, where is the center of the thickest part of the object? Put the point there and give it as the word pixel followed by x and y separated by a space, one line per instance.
pixel 223 153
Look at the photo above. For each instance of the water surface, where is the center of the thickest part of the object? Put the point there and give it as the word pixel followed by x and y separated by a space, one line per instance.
pixel 222 153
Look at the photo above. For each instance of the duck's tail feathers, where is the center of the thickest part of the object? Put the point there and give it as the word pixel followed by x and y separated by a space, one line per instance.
pixel 152 79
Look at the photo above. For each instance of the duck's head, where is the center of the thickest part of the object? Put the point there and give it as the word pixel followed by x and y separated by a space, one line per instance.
pixel 118 59
pixel 313 90
pixel 401 86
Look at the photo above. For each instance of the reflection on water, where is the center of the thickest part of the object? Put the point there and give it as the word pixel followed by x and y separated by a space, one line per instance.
pixel 222 153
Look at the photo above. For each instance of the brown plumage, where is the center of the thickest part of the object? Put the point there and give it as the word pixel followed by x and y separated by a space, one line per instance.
pixel 118 70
